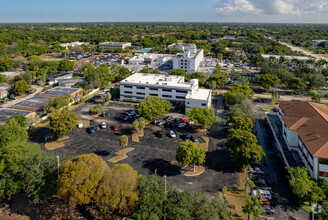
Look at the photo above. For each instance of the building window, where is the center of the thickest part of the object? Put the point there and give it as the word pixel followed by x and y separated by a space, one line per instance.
pixel 180 97
pixel 166 90
pixel 155 89
pixel 179 91
pixel 128 87
pixel 128 92
pixel 203 104
pixel 152 94
pixel 167 96
pixel 140 93
pixel 140 87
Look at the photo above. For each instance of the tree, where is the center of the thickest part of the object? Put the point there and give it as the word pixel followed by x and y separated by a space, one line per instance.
pixel 3 78
pixel 296 84
pixel 316 80
pixel 147 70
pixel 323 215
pixel 179 72
pixel 153 107
pixel 12 133
pixel 203 116
pixel 303 186
pixel 252 207
pixel 244 147
pixel 202 77
pixel 242 123
pixel 139 124
pixel 34 58
pixel 56 104
pixel 219 79
pixel 17 119
pixel 19 87
pixel 315 96
pixel 79 179
pixel 267 81
pixel 65 65
pixel 116 191
pixel 189 153
pixel 62 122
pixel 106 97
pixel 124 140
pixel 233 99
pixel 6 64
pixel 150 198
pixel 95 109
pixel 239 89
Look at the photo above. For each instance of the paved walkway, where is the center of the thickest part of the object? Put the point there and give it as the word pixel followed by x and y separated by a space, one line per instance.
pixel 38 89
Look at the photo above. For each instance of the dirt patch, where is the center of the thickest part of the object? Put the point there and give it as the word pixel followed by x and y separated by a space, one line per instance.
pixel 237 199
pixel 198 170
pixel 117 158
pixel 54 145
pixel 204 146
pixel 135 138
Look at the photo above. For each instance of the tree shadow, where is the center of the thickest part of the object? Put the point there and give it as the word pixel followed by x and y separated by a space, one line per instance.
pixel 161 167
pixel 40 135
pixel 219 160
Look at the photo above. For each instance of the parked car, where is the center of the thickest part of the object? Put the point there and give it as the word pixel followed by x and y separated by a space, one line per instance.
pixel 256 170
pixel 103 125
pixel 265 201
pixel 184 120
pixel 168 118
pixel 104 114
pixel 172 134
pixel 262 193
pixel 185 136
pixel 158 122
pixel 80 125
pixel 181 125
pixel 127 118
pixel 159 134
pixel 193 138
pixel 268 209
pixel 92 129
pixel 260 182
pixel 115 127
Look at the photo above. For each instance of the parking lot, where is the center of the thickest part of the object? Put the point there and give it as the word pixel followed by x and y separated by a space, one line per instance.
pixel 152 155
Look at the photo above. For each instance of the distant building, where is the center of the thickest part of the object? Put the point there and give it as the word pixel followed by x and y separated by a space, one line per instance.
pixel 34 104
pixel 148 58
pixel 229 37
pixel 292 60
pixel 54 78
pixel 215 40
pixel 73 44
pixel 7 112
pixel 304 129
pixel 172 88
pixel 189 60
pixel 144 50
pixel 114 45
pixel 10 75
pixel 315 43
pixel 181 46
pixel 72 82
pixel 4 90
pixel 61 91
pixel 238 51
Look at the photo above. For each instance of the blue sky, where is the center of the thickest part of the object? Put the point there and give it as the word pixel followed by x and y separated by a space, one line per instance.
pixel 274 11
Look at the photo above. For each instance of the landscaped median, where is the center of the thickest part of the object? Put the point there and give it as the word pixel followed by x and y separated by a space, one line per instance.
pixel 121 155
pixel 55 144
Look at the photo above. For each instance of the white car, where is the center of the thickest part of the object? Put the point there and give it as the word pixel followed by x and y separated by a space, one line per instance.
pixel 268 209
pixel 103 125
pixel 256 170
pixel 80 124
pixel 181 125
pixel 263 193
pixel 172 134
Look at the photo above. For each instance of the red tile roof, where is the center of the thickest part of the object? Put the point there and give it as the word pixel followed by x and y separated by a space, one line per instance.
pixel 310 120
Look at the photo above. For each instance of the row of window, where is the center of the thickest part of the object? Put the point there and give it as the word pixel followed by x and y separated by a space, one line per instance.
pixel 153 94
pixel 156 89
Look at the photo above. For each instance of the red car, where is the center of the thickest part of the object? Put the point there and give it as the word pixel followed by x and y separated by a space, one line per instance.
pixel 265 201
pixel 184 120
pixel 115 127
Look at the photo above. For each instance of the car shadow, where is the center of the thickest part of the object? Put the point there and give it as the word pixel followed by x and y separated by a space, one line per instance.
pixel 162 167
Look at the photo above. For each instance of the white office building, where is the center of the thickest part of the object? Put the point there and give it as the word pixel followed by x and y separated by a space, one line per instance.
pixel 172 88
pixel 114 45
pixel 73 44
pixel 305 130
pixel 189 60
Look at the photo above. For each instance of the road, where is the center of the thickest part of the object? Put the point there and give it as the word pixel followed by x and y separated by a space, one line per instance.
pixel 38 89
pixel 283 200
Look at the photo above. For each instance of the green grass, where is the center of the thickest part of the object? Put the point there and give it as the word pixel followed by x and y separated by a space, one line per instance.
pixel 306 206
pixel 267 108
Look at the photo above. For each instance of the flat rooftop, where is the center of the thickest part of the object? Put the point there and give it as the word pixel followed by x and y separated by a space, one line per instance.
pixel 7 112
pixel 61 91
pixel 267 56
pixel 157 79
pixel 191 55
pixel 114 43
pixel 200 94
pixel 144 50
pixel 35 102
pixel 4 87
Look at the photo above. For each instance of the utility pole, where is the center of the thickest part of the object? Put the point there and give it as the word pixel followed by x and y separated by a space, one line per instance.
pixel 58 166
pixel 164 197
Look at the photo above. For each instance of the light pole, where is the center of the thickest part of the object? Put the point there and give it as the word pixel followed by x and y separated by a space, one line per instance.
pixel 164 197
pixel 58 166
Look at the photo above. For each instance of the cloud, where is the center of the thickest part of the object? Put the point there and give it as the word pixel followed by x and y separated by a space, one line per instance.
pixel 270 7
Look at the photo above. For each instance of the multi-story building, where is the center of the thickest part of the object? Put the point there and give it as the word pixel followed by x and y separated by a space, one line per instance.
pixel 293 62
pixel 73 44
pixel 189 60
pixel 305 129
pixel 172 88
pixel 114 45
